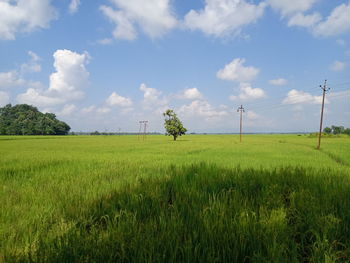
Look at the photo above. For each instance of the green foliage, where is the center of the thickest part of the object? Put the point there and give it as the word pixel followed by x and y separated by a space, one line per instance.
pixel 336 130
pixel 173 126
pixel 23 119
pixel 327 130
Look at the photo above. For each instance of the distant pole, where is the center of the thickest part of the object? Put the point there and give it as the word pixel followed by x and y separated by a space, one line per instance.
pixel 324 89
pixel 140 130
pixel 145 129
pixel 240 110
pixel 142 133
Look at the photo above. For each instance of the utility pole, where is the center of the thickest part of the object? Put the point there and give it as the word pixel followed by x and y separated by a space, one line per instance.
pixel 142 133
pixel 240 110
pixel 324 89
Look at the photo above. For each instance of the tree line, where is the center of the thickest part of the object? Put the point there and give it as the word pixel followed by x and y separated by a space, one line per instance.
pixel 23 119
pixel 336 130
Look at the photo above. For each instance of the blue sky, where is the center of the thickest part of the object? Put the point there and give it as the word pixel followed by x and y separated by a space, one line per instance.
pixel 104 65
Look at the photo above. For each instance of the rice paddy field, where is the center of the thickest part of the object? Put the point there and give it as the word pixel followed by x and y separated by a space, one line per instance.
pixel 202 198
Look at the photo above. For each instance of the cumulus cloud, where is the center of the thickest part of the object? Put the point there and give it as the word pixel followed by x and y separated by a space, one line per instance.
pixel 24 16
pixel 71 75
pixel 337 22
pixel 151 96
pixel 294 11
pixel 38 98
pixel 105 41
pixel 202 108
pixel 4 98
pixel 302 20
pixel 66 84
pixel 10 79
pixel 73 6
pixel 191 94
pixel 32 65
pixel 337 66
pixel 154 17
pixel 251 115
pixel 278 82
pixel 68 109
pixel 223 17
pixel 103 110
pixel 88 109
pixel 249 93
pixel 236 71
pixel 301 97
pixel 116 100
pixel 14 78
pixel 287 7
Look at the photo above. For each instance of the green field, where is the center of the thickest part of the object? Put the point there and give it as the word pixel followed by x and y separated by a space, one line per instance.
pixel 203 198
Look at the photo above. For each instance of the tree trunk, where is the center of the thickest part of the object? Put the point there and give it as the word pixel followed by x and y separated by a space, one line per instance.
pixel 174 137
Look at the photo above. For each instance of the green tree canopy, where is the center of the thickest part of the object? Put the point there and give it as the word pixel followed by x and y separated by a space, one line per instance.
pixel 173 126
pixel 23 119
pixel 327 130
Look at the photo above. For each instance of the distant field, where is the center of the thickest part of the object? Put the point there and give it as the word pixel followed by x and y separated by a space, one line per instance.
pixel 203 198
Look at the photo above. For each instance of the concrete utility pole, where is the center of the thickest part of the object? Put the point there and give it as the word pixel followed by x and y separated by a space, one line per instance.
pixel 325 89
pixel 240 110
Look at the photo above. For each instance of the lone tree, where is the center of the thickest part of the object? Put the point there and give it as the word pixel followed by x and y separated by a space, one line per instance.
pixel 173 125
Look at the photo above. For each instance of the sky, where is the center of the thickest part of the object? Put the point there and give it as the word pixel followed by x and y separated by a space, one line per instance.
pixel 106 65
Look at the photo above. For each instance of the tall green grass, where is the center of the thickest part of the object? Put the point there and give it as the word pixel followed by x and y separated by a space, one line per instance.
pixel 202 213
pixel 201 199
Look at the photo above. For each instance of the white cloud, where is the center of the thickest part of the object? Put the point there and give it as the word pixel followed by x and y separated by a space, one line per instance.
pixel 337 66
pixel 66 84
pixel 251 115
pixel 38 98
pixel 105 41
pixel 116 100
pixel 4 98
pixel 103 110
pixel 149 94
pixel 10 79
pixel 301 97
pixel 32 65
pixel 152 99
pixel 236 71
pixel 202 108
pixel 278 82
pixel 24 16
pixel 88 109
pixel 224 17
pixel 302 20
pixel 287 7
pixel 68 109
pixel 71 75
pixel 154 17
pixel 73 6
pixel 191 94
pixel 248 93
pixel 337 22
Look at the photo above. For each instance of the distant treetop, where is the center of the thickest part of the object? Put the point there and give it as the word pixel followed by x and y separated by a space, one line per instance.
pixel 23 119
